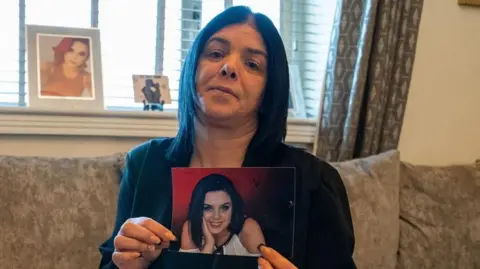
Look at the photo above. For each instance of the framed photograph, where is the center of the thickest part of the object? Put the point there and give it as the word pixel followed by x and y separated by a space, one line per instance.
pixel 296 102
pixel 64 68
pixel 151 89
pixel 213 209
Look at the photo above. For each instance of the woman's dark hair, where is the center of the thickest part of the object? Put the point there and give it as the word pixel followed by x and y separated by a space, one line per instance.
pixel 273 110
pixel 213 182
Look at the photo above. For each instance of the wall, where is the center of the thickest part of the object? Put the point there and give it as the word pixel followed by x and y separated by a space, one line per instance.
pixel 442 119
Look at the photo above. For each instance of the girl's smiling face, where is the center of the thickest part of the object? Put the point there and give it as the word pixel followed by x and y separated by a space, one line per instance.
pixel 217 211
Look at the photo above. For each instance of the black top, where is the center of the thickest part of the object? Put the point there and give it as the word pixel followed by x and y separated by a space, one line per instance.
pixel 323 226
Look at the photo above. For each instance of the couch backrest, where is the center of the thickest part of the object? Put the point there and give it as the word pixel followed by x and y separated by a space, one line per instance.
pixel 55 212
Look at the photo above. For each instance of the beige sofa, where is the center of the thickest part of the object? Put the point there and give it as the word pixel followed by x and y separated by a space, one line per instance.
pixel 56 211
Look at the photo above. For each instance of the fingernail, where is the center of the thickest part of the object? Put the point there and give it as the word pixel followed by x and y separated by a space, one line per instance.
pixel 151 248
pixel 170 236
pixel 262 248
pixel 155 240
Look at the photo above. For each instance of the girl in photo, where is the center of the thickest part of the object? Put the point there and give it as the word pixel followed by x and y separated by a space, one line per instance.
pixel 67 75
pixel 216 223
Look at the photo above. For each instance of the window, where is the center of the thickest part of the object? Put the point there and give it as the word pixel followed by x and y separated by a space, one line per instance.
pixel 153 36
pixel 127 33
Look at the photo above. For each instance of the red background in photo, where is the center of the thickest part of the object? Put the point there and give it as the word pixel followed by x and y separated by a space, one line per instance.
pixel 185 179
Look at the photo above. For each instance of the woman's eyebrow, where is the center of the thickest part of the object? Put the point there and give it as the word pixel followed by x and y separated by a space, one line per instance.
pixel 227 43
pixel 220 40
pixel 257 51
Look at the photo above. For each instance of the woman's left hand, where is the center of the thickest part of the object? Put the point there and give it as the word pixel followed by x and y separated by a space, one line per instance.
pixel 271 259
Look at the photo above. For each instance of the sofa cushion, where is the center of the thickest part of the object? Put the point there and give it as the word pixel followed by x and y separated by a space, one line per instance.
pixel 440 217
pixel 372 185
pixel 56 211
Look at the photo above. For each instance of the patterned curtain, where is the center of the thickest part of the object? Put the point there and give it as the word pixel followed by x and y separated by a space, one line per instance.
pixel 368 76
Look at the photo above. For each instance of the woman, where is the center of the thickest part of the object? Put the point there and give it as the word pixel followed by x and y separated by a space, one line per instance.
pixel 66 75
pixel 216 223
pixel 233 106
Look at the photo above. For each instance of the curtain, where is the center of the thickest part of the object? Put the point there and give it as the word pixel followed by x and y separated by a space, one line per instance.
pixel 368 75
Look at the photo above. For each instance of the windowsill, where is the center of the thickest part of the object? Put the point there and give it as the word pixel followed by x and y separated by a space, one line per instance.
pixel 145 124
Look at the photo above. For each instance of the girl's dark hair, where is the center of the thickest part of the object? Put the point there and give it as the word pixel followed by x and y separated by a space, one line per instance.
pixel 213 182
pixel 273 110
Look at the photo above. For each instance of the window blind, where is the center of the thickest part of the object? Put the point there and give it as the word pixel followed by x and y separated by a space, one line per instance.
pixel 9 66
pixel 307 27
pixel 153 37
pixel 128 41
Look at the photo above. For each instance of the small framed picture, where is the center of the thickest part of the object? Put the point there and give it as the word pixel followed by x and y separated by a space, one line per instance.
pixel 64 68
pixel 151 90
pixel 296 102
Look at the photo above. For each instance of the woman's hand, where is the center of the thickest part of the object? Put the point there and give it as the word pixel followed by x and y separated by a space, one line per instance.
pixel 208 237
pixel 139 242
pixel 271 259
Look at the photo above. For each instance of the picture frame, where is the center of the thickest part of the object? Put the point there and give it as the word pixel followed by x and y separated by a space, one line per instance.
pixel 64 68
pixel 151 89
pixel 296 107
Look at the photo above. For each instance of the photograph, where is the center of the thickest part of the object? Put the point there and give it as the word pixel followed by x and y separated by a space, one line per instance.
pixel 151 89
pixel 231 211
pixel 64 68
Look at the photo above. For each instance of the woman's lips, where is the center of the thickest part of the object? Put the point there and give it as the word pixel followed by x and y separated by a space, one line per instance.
pixel 224 90
pixel 216 224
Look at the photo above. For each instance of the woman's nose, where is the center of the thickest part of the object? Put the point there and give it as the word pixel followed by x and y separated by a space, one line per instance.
pixel 216 214
pixel 228 72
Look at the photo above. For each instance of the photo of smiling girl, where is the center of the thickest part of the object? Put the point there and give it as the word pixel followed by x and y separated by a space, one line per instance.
pixel 216 223
pixel 65 67
pixel 230 212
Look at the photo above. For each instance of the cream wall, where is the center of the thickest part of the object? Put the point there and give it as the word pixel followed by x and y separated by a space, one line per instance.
pixel 442 119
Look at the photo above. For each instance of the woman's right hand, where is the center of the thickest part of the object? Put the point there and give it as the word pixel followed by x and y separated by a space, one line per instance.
pixel 139 242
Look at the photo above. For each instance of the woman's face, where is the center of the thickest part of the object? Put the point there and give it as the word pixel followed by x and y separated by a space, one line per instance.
pixel 77 55
pixel 231 73
pixel 217 211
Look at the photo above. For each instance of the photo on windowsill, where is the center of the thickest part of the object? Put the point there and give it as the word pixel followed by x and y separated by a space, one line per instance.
pixel 231 211
pixel 151 90
pixel 64 67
